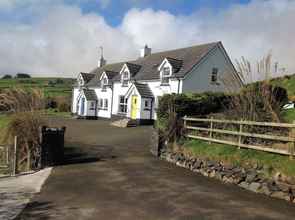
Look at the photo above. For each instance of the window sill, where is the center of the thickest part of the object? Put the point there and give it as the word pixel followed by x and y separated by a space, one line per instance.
pixel 165 84
pixel 215 83
pixel 124 85
pixel 146 109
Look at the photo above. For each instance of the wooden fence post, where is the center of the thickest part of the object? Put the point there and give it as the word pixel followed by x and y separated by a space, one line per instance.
pixel 211 128
pixel 292 144
pixel 14 167
pixel 29 161
pixel 240 136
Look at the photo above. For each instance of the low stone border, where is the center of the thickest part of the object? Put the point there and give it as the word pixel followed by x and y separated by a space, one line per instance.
pixel 250 179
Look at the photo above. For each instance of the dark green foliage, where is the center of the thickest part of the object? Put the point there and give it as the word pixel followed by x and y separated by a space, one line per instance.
pixel 22 76
pixel 192 104
pixel 7 76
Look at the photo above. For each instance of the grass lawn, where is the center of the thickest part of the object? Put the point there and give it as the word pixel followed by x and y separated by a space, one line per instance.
pixel 289 115
pixel 243 157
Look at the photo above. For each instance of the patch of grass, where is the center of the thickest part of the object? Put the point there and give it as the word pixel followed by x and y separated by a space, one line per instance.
pixel 287 82
pixel 242 157
pixel 289 115
pixel 50 86
pixel 55 112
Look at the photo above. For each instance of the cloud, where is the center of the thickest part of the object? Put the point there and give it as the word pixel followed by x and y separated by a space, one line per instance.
pixel 65 41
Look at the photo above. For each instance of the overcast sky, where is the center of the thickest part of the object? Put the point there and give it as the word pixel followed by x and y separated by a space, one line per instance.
pixel 62 37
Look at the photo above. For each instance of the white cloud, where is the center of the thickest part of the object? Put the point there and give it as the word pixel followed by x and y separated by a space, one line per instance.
pixel 64 40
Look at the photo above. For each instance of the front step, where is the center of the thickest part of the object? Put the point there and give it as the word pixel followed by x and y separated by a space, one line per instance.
pixel 124 123
pixel 132 123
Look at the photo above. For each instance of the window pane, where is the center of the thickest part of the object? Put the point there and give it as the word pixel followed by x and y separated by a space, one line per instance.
pixel 214 75
pixel 165 80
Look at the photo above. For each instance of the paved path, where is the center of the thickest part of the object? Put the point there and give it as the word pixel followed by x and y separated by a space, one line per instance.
pixel 110 174
pixel 16 192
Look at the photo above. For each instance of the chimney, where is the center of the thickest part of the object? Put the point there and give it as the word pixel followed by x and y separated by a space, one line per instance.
pixel 102 62
pixel 145 51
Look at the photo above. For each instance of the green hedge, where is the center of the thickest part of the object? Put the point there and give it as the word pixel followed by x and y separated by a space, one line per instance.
pixel 190 105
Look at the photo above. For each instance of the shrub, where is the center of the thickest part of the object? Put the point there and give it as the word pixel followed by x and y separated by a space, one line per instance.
pixel 22 76
pixel 25 122
pixel 259 101
pixel 7 76
pixel 192 104
pixel 64 107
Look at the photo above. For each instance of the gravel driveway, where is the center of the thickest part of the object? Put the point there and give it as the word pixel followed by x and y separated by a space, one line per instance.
pixel 110 174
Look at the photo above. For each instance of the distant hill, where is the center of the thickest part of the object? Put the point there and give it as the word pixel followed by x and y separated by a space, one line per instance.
pixel 51 86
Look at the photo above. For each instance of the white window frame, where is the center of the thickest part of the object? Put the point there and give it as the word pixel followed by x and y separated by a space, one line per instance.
pixel 92 105
pixel 214 75
pixel 100 104
pixel 165 76
pixel 104 83
pixel 125 78
pixel 106 104
pixel 122 105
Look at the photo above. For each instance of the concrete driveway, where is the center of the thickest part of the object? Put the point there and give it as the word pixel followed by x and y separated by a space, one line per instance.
pixel 110 174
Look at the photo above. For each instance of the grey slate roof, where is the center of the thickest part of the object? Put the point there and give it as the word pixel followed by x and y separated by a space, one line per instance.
pixel 176 64
pixel 90 94
pixel 111 74
pixel 133 68
pixel 144 90
pixel 87 77
pixel 183 60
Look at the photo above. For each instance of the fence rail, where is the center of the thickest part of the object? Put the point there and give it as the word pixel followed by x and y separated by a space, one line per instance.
pixel 240 134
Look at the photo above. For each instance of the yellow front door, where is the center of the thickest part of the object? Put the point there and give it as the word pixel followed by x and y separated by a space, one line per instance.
pixel 133 106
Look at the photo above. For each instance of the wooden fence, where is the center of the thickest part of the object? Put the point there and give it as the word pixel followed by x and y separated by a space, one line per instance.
pixel 4 157
pixel 194 131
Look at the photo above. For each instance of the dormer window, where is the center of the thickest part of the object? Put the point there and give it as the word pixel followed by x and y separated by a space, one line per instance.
pixel 125 78
pixel 104 83
pixel 165 75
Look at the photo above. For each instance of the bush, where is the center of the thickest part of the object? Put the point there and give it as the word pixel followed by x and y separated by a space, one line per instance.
pixel 22 76
pixel 7 76
pixel 192 104
pixel 64 107
pixel 173 107
pixel 259 101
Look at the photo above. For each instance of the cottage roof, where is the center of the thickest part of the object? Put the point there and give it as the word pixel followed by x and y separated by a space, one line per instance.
pixel 146 68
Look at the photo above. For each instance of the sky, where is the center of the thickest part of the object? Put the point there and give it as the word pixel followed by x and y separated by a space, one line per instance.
pixel 62 37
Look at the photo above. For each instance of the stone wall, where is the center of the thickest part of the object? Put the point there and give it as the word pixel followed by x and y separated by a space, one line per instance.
pixel 253 179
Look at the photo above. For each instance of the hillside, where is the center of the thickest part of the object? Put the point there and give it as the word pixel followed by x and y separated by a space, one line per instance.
pixel 51 86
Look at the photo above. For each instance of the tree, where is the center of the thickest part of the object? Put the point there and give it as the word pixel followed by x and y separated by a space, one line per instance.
pixel 7 76
pixel 22 76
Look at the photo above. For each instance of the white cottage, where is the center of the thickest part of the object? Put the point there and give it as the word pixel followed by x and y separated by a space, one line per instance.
pixel 131 89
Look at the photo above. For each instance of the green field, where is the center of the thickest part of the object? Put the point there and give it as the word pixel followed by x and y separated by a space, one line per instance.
pixel 50 86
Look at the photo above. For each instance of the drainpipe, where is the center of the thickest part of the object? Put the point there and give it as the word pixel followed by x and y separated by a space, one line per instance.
pixel 178 86
pixel 112 89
